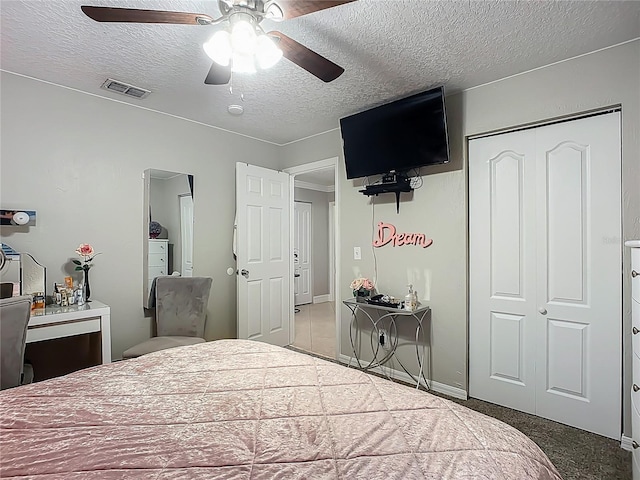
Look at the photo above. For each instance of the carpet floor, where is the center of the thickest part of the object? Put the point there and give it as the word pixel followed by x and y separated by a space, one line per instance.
pixel 578 455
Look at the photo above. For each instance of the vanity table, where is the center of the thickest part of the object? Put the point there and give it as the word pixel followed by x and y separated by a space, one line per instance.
pixel 58 322
pixel 386 319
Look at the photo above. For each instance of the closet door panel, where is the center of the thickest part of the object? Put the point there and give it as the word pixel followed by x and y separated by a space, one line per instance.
pixel 578 349
pixel 502 270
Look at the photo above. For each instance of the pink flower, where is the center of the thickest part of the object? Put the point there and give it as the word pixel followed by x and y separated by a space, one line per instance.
pixel 85 250
pixel 362 282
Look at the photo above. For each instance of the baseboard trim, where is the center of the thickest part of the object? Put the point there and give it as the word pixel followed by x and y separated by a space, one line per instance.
pixel 321 298
pixel 404 377
pixel 626 443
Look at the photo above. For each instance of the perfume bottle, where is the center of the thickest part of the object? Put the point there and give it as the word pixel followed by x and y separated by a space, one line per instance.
pixel 80 295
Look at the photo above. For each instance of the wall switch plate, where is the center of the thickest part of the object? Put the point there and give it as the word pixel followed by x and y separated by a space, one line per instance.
pixel 357 253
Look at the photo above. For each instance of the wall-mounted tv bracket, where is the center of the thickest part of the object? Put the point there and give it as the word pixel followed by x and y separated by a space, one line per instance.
pixel 391 183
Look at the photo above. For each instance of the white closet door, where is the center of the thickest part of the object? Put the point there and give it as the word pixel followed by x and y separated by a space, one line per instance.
pixel 502 270
pixel 303 292
pixel 579 273
pixel 545 272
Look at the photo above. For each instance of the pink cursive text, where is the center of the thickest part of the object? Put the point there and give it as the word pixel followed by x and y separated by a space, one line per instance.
pixel 399 239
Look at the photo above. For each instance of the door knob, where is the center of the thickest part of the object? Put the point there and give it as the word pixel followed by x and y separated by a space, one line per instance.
pixel 634 274
pixel 244 273
pixel 542 310
pixel 635 444
pixel 635 331
pixel 635 387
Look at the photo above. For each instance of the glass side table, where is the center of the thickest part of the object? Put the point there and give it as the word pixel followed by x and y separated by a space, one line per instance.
pixel 387 318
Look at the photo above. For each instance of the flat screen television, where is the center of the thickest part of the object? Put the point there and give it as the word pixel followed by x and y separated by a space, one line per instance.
pixel 398 136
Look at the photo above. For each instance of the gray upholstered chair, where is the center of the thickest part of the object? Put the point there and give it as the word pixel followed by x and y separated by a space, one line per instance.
pixel 14 319
pixel 180 313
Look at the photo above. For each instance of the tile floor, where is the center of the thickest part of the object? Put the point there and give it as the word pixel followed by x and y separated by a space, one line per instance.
pixel 315 329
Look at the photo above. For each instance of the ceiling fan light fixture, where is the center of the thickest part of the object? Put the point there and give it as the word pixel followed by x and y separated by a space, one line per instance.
pixel 243 37
pixel 273 11
pixel 218 48
pixel 243 63
pixel 267 53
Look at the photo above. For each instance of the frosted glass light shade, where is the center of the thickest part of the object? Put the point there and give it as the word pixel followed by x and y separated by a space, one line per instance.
pixel 242 48
pixel 267 54
pixel 243 63
pixel 218 48
pixel 243 38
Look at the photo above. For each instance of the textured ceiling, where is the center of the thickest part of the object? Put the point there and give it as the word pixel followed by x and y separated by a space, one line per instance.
pixel 389 49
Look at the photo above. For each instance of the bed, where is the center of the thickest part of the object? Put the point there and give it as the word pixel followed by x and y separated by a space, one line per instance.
pixel 236 409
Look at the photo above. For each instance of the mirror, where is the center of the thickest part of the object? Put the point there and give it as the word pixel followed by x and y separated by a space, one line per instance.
pixel 33 276
pixel 22 271
pixel 168 219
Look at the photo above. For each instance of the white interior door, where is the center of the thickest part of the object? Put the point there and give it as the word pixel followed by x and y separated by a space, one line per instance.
pixel 579 273
pixel 502 270
pixel 303 291
pixel 545 272
pixel 263 254
pixel 186 234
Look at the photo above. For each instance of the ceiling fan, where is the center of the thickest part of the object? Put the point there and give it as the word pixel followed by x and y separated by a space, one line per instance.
pixel 243 45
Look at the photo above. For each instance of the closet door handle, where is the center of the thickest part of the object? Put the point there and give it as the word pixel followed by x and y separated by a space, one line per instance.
pixel 634 444
pixel 635 331
pixel 542 310
pixel 634 274
pixel 635 387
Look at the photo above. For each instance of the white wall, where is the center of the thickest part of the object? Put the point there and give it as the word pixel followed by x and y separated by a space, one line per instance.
pixel 439 208
pixel 78 160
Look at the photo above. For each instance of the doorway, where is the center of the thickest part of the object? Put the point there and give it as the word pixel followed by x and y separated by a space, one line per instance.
pixel 313 203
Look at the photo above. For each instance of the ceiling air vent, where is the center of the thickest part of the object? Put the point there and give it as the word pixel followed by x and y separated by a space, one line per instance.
pixel 125 89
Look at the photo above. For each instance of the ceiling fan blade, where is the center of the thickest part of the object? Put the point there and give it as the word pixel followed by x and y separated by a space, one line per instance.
pixel 218 75
pixel 132 15
pixel 311 61
pixel 297 8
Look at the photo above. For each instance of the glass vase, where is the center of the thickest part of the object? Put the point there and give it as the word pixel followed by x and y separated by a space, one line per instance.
pixel 86 289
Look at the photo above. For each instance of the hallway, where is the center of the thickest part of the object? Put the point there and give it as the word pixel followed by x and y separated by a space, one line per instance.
pixel 315 329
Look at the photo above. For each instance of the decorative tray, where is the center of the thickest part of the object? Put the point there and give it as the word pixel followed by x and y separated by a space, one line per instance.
pixel 380 303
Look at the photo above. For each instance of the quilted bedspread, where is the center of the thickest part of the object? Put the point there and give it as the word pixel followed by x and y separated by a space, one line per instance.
pixel 235 409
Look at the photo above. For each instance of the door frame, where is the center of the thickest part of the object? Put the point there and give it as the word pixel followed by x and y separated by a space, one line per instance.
pixel 332 251
pixel 181 197
pixel 306 168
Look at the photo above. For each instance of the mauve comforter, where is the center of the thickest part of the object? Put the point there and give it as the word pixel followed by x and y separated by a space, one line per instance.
pixel 235 409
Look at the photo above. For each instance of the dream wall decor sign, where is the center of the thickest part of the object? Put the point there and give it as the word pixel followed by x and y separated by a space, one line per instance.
pixel 387 234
